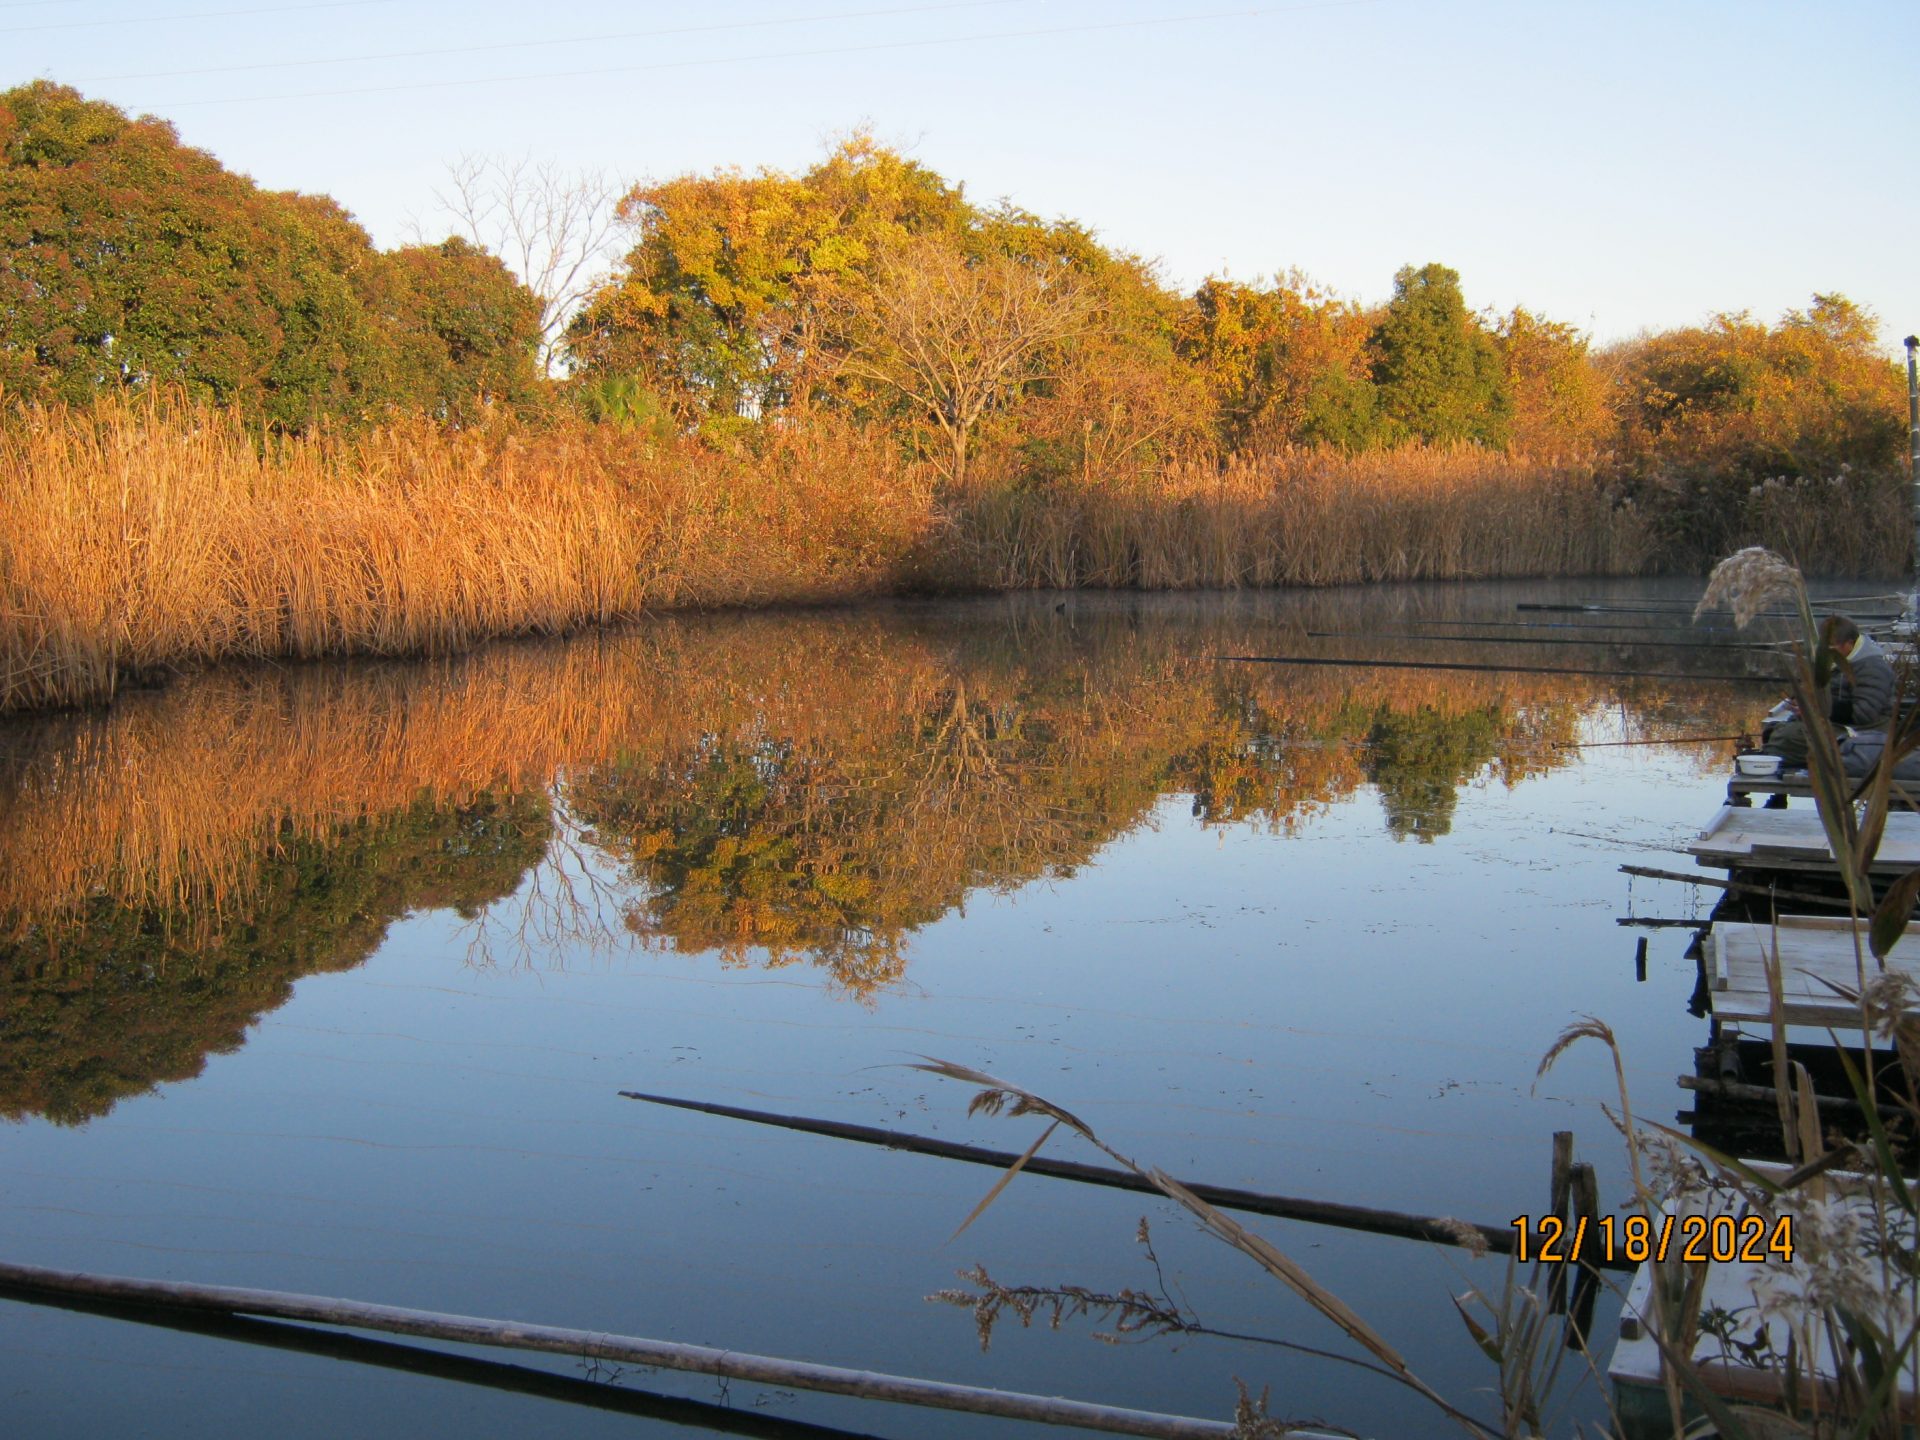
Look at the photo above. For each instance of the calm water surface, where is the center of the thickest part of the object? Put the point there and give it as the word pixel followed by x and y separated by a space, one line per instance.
pixel 326 979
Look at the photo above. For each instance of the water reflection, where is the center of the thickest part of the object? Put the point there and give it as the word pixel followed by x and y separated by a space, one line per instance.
pixel 117 998
pixel 774 790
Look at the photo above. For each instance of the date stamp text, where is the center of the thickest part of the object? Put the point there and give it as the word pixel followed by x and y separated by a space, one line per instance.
pixel 1725 1239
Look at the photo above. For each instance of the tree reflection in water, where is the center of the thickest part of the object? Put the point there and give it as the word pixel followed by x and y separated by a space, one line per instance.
pixel 771 789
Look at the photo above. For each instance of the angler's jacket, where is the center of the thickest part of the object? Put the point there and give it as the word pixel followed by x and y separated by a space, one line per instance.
pixel 1863 699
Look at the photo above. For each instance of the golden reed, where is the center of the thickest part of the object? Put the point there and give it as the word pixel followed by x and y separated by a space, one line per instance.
pixel 145 534
pixel 1310 517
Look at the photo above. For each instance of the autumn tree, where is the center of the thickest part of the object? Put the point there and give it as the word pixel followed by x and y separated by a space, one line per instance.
pixel 1312 384
pixel 1120 398
pixel 1437 370
pixel 1286 365
pixel 1716 420
pixel 953 339
pixel 1558 396
pixel 1739 397
pixel 1223 337
pixel 710 306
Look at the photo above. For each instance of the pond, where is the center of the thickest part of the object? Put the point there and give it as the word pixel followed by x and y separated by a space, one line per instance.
pixel 327 979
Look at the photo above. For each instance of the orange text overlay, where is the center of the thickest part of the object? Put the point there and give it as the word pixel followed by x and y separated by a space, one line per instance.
pixel 1747 1239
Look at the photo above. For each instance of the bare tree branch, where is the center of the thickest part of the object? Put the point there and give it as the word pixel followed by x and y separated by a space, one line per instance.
pixel 956 339
pixel 553 228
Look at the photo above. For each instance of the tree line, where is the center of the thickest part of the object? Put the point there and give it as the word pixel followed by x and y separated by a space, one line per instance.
pixel 1002 349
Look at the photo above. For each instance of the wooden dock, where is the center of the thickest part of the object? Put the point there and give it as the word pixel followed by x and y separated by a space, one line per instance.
pixel 1733 1286
pixel 1739 838
pixel 1816 952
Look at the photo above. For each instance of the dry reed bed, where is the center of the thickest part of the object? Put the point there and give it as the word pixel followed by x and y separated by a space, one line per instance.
pixel 168 798
pixel 1308 518
pixel 141 535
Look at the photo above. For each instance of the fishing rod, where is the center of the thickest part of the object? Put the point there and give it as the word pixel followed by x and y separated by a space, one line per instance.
pixel 1739 887
pixel 1572 625
pixel 1350 663
pixel 1669 740
pixel 1499 1238
pixel 1579 609
pixel 1536 640
pixel 1689 604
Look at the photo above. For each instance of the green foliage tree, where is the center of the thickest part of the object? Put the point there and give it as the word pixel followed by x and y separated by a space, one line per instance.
pixel 1437 370
pixel 128 259
pixel 464 331
pixel 1419 760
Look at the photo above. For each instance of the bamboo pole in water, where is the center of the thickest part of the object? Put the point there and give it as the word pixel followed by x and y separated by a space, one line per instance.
pixel 626 1349
pixel 1499 1238
pixel 435 1364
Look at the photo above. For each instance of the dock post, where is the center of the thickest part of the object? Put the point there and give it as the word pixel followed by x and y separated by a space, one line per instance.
pixel 1586 1280
pixel 1558 1193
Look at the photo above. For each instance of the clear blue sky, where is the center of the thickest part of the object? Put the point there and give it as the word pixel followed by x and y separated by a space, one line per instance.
pixel 1618 165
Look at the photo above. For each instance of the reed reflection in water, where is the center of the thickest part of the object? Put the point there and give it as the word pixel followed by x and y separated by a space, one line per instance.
pixel 774 790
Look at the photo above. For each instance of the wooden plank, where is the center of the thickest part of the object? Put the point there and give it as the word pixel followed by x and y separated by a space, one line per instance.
pixel 1739 838
pixel 1797 785
pixel 1816 951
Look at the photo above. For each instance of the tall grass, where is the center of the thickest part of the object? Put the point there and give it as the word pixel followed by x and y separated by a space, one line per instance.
pixel 140 535
pixel 1309 517
pixel 145 534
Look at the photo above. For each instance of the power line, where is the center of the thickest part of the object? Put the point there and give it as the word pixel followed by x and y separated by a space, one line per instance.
pixel 187 15
pixel 534 44
pixel 892 45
